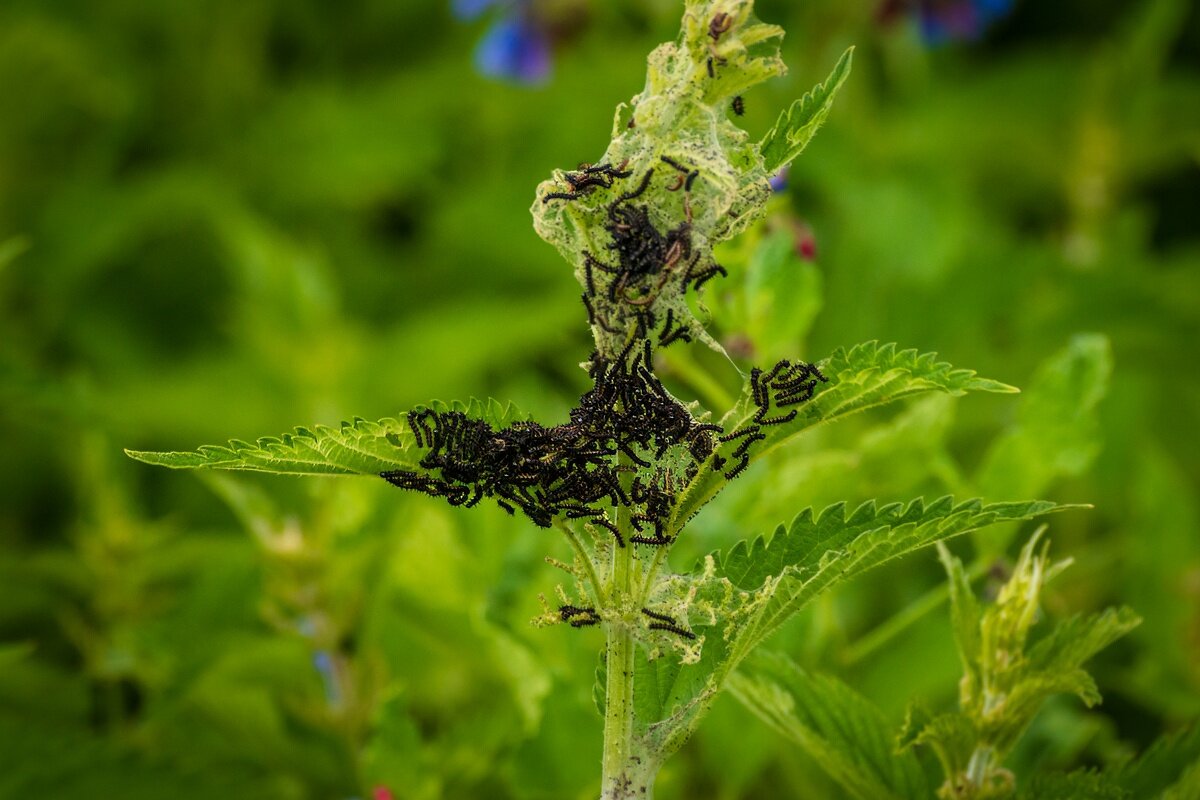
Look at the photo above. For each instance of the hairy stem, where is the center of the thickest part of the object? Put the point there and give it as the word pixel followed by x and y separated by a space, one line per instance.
pixel 627 773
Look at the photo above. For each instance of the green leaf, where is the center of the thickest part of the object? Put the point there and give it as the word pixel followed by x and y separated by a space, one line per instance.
pixel 1006 683
pixel 757 586
pixel 816 553
pixel 1079 785
pixel 840 729
pixel 655 679
pixel 965 614
pixel 798 124
pixel 865 376
pixel 1078 639
pixel 42 759
pixel 949 735
pixel 783 295
pixel 1057 431
pixel 1026 677
pixel 393 754
pixel 355 448
pixel 1171 759
pixel 1187 787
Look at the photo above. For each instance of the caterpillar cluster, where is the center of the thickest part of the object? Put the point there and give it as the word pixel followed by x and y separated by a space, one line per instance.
pixel 578 616
pixel 787 384
pixel 587 178
pixel 626 423
pixel 571 470
pixel 663 622
pixel 620 290
pixel 586 616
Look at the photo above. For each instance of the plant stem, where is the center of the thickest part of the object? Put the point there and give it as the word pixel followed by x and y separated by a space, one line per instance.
pixel 626 773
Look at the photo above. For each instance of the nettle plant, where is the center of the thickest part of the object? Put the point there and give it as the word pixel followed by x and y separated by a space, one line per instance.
pixel 623 476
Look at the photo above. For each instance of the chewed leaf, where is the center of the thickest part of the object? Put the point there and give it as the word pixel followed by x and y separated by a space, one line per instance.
pixel 679 175
pixel 360 447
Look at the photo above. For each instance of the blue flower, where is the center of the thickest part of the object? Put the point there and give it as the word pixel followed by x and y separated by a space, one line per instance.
pixel 516 49
pixel 779 181
pixel 944 21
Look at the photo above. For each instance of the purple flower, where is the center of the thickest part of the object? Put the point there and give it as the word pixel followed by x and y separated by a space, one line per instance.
pixel 515 49
pixel 944 21
pixel 779 181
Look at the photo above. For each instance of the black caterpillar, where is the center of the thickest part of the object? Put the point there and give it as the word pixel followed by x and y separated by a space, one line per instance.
pixel 570 470
pixel 627 422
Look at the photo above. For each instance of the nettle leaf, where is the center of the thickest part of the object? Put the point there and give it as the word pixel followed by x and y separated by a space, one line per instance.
pixel 865 376
pixel 1057 430
pixel 1080 785
pixel 359 447
pixel 1006 682
pixel 798 124
pixel 1075 641
pixel 816 553
pixel 1057 427
pixel 848 736
pixel 783 295
pixel 1027 676
pixel 965 616
pixel 655 680
pixel 950 736
pixel 1172 763
pixel 758 585
pixel 1055 666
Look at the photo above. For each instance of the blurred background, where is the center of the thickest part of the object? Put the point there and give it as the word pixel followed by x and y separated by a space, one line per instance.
pixel 222 219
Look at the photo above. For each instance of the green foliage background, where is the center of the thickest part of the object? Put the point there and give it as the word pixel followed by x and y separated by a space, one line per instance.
pixel 222 218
